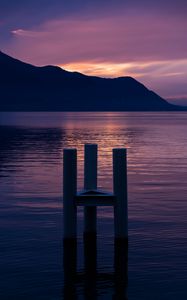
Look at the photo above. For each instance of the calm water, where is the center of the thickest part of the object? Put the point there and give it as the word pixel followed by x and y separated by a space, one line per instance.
pixel 31 212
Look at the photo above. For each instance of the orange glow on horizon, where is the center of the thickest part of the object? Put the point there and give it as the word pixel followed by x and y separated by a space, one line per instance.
pixel 101 69
pixel 137 69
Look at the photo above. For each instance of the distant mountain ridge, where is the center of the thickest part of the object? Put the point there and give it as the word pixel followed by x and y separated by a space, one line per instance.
pixel 24 87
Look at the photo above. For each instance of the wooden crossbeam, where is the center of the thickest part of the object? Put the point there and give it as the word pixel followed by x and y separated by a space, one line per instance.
pixel 94 198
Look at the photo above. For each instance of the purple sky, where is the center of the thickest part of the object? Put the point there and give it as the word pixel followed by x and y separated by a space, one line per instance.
pixel 141 38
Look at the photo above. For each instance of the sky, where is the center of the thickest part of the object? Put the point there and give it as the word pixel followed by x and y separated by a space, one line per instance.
pixel 144 39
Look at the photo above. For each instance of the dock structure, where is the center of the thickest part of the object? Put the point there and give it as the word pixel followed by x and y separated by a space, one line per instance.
pixel 91 197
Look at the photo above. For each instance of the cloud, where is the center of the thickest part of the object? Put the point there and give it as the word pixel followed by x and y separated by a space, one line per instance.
pixel 120 38
pixel 147 45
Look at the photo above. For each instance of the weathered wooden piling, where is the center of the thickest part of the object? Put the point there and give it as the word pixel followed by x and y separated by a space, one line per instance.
pixel 120 192
pixel 69 192
pixel 90 184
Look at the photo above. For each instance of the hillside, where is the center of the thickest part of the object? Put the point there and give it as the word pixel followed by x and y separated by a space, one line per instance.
pixel 24 87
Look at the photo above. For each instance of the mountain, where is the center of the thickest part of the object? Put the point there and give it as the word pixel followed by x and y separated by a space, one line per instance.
pixel 24 87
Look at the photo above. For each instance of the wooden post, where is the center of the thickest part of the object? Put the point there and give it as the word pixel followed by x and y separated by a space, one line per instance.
pixel 69 192
pixel 90 183
pixel 120 191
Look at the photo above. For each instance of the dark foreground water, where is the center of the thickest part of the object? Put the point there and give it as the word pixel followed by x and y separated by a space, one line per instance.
pixel 31 212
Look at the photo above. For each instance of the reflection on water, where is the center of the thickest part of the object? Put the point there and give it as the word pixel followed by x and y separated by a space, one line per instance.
pixel 31 212
pixel 117 280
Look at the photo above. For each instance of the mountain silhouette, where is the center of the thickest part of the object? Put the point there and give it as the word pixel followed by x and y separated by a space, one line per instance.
pixel 24 87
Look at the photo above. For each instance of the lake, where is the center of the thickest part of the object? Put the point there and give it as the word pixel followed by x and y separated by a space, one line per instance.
pixel 31 210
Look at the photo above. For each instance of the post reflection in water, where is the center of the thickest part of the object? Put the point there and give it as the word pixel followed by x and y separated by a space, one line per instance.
pixel 70 264
pixel 121 269
pixel 90 267
pixel 91 277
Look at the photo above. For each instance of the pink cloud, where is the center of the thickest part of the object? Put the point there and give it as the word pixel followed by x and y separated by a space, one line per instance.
pixel 119 38
pixel 154 46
